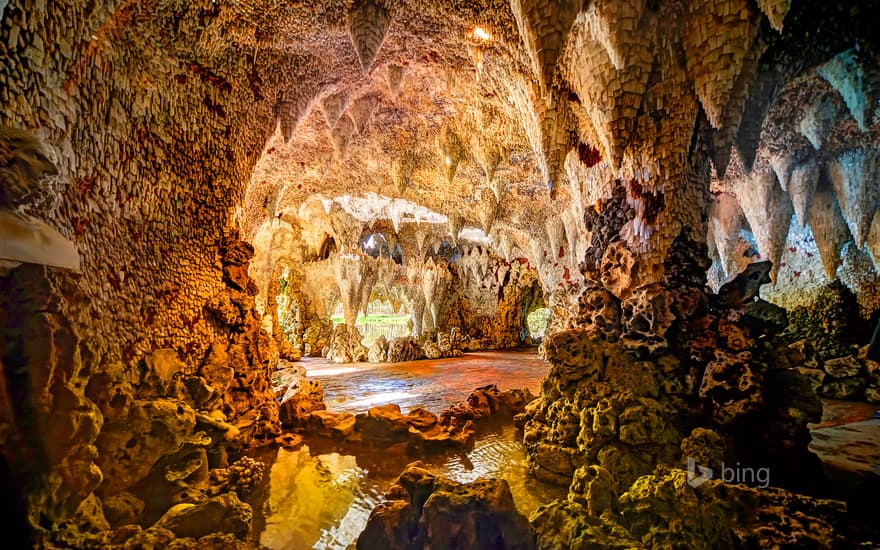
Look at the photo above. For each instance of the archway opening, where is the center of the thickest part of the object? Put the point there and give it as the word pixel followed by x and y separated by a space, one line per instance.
pixel 382 318
pixel 536 322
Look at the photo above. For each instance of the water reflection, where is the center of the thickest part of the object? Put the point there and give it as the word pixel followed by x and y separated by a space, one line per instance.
pixel 319 499
pixel 321 496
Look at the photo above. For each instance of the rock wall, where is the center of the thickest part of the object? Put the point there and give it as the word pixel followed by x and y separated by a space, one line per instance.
pixel 149 132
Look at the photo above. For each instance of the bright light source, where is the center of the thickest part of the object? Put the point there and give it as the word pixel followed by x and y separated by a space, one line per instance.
pixel 448 160
pixel 479 33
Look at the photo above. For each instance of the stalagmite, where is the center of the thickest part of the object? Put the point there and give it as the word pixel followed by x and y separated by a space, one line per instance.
pixel 367 26
pixel 829 229
pixel 853 177
pixel 768 210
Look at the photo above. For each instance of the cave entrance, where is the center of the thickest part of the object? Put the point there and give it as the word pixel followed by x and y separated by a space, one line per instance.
pixel 536 323
pixel 534 317
pixel 381 319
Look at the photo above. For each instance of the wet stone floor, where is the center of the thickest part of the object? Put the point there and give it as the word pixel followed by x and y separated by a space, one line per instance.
pixel 321 495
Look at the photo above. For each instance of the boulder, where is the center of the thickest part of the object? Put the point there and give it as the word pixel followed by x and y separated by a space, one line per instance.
pixel 221 514
pixel 843 388
pixel 425 511
pixel 378 352
pixel 382 426
pixel 843 367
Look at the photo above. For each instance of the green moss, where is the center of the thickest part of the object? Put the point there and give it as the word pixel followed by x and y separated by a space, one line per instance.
pixel 375 319
pixel 537 322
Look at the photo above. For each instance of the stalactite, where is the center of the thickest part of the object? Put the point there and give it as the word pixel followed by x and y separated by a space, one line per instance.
pixel 775 10
pixel 873 241
pixel 850 74
pixel 768 210
pixel 593 77
pixel 555 234
pixel 395 79
pixel 451 152
pixel 572 224
pixel 291 113
pixel 612 24
pixel 782 163
pixel 726 217
pixel 715 69
pixel 455 222
pixel 818 120
pixel 853 177
pixel 361 111
pixel 488 156
pixel 802 184
pixel 341 135
pixel 829 229
pixel 544 27
pixel 347 272
pixel 367 26
pixel 402 170
pixel 487 211
pixel 333 105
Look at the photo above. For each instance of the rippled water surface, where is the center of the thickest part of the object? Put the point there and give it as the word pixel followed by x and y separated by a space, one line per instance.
pixel 321 495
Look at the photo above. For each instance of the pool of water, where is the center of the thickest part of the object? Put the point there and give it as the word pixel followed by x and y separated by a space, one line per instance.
pixel 321 495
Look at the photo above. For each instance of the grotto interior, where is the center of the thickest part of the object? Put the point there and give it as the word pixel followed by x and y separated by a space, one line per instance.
pixel 236 235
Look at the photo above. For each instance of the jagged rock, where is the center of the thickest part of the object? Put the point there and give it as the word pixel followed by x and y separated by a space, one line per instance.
pixel 122 509
pixel 425 511
pixel 745 287
pixel 842 388
pixel 814 376
pixel 295 411
pixel 132 444
pixel 599 313
pixel 616 269
pixel 378 352
pixel 382 426
pixel 843 367
pixel 345 346
pixel 242 477
pixel 732 386
pixel 224 514
pixel 404 349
